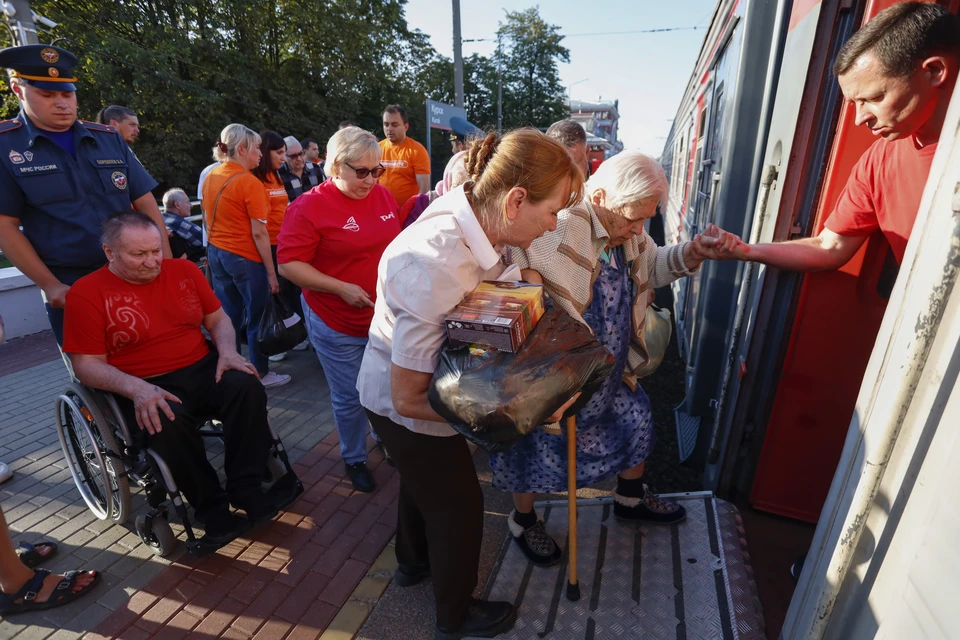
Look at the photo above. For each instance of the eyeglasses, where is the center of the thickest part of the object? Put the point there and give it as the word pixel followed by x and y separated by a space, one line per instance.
pixel 295 155
pixel 364 172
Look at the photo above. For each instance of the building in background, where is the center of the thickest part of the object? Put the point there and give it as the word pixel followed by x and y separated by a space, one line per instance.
pixel 600 119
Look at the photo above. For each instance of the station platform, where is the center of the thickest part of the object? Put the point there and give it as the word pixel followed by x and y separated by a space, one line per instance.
pixel 323 568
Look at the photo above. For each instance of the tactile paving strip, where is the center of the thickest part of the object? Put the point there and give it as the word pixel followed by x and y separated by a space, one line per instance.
pixel 686 581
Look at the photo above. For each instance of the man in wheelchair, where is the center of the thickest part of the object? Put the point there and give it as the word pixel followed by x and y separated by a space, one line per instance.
pixel 133 328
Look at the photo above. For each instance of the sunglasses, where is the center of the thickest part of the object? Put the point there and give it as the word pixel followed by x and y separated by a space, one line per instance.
pixel 295 155
pixel 364 172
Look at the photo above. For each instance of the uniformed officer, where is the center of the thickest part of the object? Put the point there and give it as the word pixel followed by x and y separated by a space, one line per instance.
pixel 60 178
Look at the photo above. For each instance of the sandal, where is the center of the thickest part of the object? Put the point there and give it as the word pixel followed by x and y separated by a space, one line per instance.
pixel 62 594
pixel 31 556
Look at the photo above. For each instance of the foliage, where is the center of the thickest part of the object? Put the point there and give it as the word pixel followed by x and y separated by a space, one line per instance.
pixel 190 67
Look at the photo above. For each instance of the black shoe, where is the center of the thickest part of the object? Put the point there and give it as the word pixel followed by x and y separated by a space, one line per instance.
pixel 408 575
pixel 258 507
pixel 485 619
pixel 222 528
pixel 535 542
pixel 650 509
pixel 360 477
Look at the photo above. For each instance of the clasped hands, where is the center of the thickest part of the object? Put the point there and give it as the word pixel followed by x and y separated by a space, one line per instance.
pixel 716 244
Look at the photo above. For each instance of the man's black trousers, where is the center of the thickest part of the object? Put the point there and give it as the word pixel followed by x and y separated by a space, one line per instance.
pixel 240 403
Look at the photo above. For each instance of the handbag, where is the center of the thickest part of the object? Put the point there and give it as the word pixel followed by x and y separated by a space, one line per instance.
pixel 281 328
pixel 657 329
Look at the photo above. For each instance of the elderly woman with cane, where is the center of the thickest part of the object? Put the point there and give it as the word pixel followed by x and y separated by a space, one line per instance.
pixel 600 265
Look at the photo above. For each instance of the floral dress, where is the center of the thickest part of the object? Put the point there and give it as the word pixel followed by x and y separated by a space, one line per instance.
pixel 615 430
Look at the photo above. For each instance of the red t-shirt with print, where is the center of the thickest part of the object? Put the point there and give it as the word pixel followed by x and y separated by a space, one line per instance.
pixel 344 239
pixel 884 192
pixel 144 329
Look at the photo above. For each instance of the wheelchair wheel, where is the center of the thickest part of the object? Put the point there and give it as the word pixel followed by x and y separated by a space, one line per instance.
pixel 157 534
pixel 90 448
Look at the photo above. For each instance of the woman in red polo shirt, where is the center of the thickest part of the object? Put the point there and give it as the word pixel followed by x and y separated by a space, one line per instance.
pixel 330 245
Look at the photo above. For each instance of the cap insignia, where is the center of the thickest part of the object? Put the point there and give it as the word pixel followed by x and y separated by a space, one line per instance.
pixel 54 73
pixel 50 56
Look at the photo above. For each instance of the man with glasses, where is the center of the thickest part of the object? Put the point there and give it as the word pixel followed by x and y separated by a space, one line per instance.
pixel 298 175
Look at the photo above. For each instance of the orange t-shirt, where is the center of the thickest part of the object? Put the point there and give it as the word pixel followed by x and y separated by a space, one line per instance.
pixel 403 163
pixel 277 195
pixel 243 200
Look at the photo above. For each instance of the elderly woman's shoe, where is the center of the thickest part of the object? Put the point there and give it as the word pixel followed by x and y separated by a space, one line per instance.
pixel 648 508
pixel 360 477
pixel 534 541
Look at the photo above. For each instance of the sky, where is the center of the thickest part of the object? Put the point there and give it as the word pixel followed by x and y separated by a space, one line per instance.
pixel 647 72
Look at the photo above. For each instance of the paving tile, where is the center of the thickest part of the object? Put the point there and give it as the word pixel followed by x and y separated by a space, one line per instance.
pixel 302 597
pixel 261 608
pixel 373 543
pixel 178 627
pixel 342 584
pixel 300 564
pixel 336 555
pixel 332 528
pixel 273 629
pixel 154 618
pixel 220 618
pixel 211 595
pixel 347 622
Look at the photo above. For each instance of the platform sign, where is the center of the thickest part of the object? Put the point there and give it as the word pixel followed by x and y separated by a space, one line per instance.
pixel 439 114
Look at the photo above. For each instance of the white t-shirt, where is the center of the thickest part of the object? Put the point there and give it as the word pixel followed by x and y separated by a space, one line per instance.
pixel 424 273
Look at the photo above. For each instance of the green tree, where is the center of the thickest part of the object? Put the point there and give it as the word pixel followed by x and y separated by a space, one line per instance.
pixel 530 51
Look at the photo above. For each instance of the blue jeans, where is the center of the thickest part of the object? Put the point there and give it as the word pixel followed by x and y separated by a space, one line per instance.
pixel 340 356
pixel 242 287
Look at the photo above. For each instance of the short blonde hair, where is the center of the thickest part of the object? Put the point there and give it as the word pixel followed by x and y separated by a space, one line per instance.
pixel 349 145
pixel 233 136
pixel 628 177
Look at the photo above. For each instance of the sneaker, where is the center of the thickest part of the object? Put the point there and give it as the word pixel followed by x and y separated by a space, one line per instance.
pixel 535 542
pixel 273 379
pixel 303 346
pixel 280 357
pixel 360 477
pixel 650 508
pixel 484 619
pixel 408 575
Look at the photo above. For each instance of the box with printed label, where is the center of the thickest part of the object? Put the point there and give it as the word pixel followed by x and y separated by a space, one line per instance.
pixel 496 314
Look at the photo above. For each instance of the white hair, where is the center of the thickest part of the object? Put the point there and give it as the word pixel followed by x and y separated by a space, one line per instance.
pixel 175 195
pixel 628 177
pixel 292 143
pixel 233 136
pixel 349 145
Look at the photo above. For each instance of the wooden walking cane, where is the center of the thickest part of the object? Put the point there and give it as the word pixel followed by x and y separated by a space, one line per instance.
pixel 573 587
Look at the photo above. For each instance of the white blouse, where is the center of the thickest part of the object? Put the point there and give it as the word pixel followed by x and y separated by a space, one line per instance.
pixel 424 273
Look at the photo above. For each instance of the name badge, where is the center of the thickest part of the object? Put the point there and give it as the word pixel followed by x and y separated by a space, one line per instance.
pixel 111 162
pixel 37 169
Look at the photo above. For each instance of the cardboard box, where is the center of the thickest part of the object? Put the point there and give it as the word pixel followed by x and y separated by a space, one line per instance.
pixel 496 314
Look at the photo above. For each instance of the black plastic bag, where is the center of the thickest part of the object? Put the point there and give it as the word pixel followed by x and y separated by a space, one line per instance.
pixel 281 328
pixel 495 398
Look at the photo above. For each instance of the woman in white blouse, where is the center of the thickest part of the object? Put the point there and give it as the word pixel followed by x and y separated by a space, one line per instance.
pixel 518 185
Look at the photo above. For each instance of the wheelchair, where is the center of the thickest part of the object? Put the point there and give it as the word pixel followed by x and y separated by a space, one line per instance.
pixel 104 458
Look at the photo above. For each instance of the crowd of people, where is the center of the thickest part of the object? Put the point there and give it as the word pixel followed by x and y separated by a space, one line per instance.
pixel 373 259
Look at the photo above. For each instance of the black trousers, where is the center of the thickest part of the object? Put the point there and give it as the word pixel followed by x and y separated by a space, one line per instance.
pixel 440 518
pixel 289 292
pixel 240 403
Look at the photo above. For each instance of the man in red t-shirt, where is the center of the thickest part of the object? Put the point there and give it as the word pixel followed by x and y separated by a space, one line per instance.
pixel 133 328
pixel 899 71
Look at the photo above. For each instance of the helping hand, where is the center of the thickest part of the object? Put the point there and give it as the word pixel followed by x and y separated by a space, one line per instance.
pixel 355 296
pixel 148 401
pixel 716 244
pixel 236 362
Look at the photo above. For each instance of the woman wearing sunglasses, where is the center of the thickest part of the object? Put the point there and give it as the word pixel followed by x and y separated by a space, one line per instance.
pixel 330 244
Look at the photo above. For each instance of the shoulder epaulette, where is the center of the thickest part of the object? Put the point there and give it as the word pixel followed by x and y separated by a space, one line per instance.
pixel 96 126
pixel 10 125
